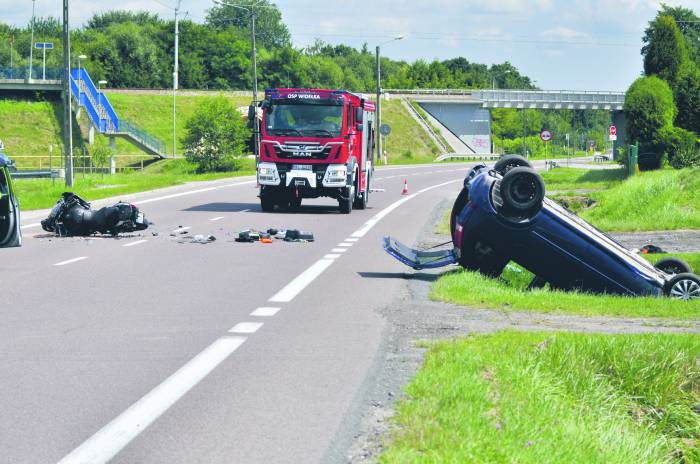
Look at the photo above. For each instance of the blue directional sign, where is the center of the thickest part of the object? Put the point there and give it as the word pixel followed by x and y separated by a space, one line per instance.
pixel 44 45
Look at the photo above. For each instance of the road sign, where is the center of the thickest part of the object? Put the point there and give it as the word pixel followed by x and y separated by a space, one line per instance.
pixel 613 133
pixel 545 135
pixel 385 130
pixel 44 45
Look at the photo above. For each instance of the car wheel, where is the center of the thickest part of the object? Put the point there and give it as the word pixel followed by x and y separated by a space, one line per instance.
pixel 684 286
pixel 522 192
pixel 672 266
pixel 508 162
pixel 460 203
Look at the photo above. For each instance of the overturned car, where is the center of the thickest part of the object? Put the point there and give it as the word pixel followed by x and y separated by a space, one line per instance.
pixel 73 216
pixel 502 215
pixel 10 232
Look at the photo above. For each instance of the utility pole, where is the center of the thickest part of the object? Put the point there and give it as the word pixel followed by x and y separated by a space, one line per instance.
pixel 12 52
pixel 31 45
pixel 67 104
pixel 378 116
pixel 256 127
pixel 175 74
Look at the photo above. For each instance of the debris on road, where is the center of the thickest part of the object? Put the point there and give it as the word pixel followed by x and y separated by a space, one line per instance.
pixel 650 249
pixel 199 238
pixel 73 216
pixel 290 235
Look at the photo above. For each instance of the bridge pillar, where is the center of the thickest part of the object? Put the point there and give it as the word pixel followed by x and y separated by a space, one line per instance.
pixel 620 123
pixel 91 135
pixel 113 159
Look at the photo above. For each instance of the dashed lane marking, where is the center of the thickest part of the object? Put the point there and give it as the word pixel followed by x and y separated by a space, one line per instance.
pixel 246 327
pixel 137 242
pixel 71 261
pixel 331 256
pixel 339 250
pixel 265 311
pixel 218 218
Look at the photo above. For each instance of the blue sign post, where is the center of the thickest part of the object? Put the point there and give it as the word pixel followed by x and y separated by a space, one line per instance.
pixel 44 46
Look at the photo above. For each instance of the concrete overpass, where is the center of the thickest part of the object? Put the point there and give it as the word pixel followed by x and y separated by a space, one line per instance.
pixel 466 120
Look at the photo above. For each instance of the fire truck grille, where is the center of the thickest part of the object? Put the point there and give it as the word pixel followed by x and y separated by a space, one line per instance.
pixel 291 152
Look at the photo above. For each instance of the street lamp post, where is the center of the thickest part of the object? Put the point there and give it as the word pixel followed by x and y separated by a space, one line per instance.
pixel 252 12
pixel 175 73
pixel 12 52
pixel 67 102
pixel 80 75
pixel 100 84
pixel 379 98
pixel 31 44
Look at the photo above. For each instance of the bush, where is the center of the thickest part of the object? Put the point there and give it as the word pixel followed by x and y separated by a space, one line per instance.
pixel 649 108
pixel 216 136
pixel 680 147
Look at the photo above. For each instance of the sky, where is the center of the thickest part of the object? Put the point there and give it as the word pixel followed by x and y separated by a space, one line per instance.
pixel 561 45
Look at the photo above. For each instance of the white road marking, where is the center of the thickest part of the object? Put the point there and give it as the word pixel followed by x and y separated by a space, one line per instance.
pixel 113 437
pixel 345 245
pixel 246 327
pixel 331 256
pixel 339 250
pixel 218 218
pixel 351 239
pixel 137 242
pixel 70 261
pixel 293 288
pixel 380 215
pixel 181 229
pixel 191 192
pixel 36 224
pixel 244 210
pixel 265 311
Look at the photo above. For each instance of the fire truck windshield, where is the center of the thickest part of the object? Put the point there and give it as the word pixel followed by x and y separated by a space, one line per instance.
pixel 305 120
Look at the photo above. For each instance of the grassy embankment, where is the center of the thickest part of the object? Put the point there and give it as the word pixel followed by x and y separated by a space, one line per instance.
pixel 556 397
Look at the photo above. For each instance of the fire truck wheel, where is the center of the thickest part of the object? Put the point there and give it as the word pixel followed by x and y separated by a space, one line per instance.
pixel 363 198
pixel 267 202
pixel 346 200
pixel 294 203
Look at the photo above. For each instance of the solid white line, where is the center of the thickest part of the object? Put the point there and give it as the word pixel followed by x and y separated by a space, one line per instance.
pixel 351 239
pixel 181 229
pixel 36 224
pixel 379 216
pixel 339 250
pixel 138 242
pixel 246 327
pixel 113 437
pixel 293 288
pixel 265 312
pixel 218 218
pixel 74 260
pixel 346 245
pixel 331 256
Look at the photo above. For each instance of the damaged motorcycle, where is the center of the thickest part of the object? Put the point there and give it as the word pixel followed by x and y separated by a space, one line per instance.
pixel 72 216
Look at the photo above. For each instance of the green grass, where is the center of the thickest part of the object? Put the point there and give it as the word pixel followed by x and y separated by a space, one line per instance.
pixel 408 143
pixel 42 193
pixel 657 200
pixel 509 293
pixel 576 178
pixel 556 398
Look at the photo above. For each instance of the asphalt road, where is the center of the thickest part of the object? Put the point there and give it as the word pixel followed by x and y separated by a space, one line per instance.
pixel 145 350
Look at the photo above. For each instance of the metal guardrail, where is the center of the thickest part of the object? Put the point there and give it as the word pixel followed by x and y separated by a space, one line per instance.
pixel 38 174
pixel 467 156
pixel 22 72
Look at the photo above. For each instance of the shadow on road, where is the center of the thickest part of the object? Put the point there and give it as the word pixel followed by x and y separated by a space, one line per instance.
pixel 224 207
pixel 400 275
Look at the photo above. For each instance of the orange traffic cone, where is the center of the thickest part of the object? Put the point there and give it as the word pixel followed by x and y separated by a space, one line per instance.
pixel 405 187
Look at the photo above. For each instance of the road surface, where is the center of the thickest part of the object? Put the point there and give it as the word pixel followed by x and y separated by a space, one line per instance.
pixel 145 350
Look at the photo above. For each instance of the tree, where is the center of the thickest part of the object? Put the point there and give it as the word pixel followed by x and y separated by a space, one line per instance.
pixel 666 52
pixel 216 135
pixel 687 96
pixel 680 147
pixel 649 108
pixel 689 25
pixel 270 30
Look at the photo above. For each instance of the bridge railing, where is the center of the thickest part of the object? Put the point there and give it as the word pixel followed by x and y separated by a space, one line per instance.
pixel 86 103
pixel 141 135
pixel 524 96
pixel 98 97
pixel 22 73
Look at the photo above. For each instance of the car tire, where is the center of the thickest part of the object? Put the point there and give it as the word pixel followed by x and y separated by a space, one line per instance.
pixel 345 202
pixel 521 192
pixel 673 266
pixel 460 203
pixel 508 162
pixel 684 286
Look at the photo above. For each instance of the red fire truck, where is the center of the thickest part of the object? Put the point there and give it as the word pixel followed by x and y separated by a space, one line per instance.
pixel 315 143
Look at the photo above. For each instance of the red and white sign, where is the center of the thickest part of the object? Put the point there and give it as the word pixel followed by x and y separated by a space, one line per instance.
pixel 613 133
pixel 545 135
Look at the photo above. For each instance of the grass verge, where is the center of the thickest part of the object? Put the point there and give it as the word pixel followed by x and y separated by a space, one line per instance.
pixel 43 193
pixel 562 397
pixel 588 179
pixel 510 293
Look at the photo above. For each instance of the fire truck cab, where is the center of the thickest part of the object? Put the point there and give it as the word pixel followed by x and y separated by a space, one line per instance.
pixel 315 143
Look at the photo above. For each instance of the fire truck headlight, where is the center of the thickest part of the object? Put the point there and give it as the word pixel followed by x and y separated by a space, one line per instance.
pixel 267 174
pixel 336 175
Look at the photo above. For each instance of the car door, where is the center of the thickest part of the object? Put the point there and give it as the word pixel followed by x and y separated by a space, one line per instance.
pixel 10 233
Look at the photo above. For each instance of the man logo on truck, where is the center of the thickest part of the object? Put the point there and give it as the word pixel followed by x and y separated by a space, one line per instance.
pixel 315 143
